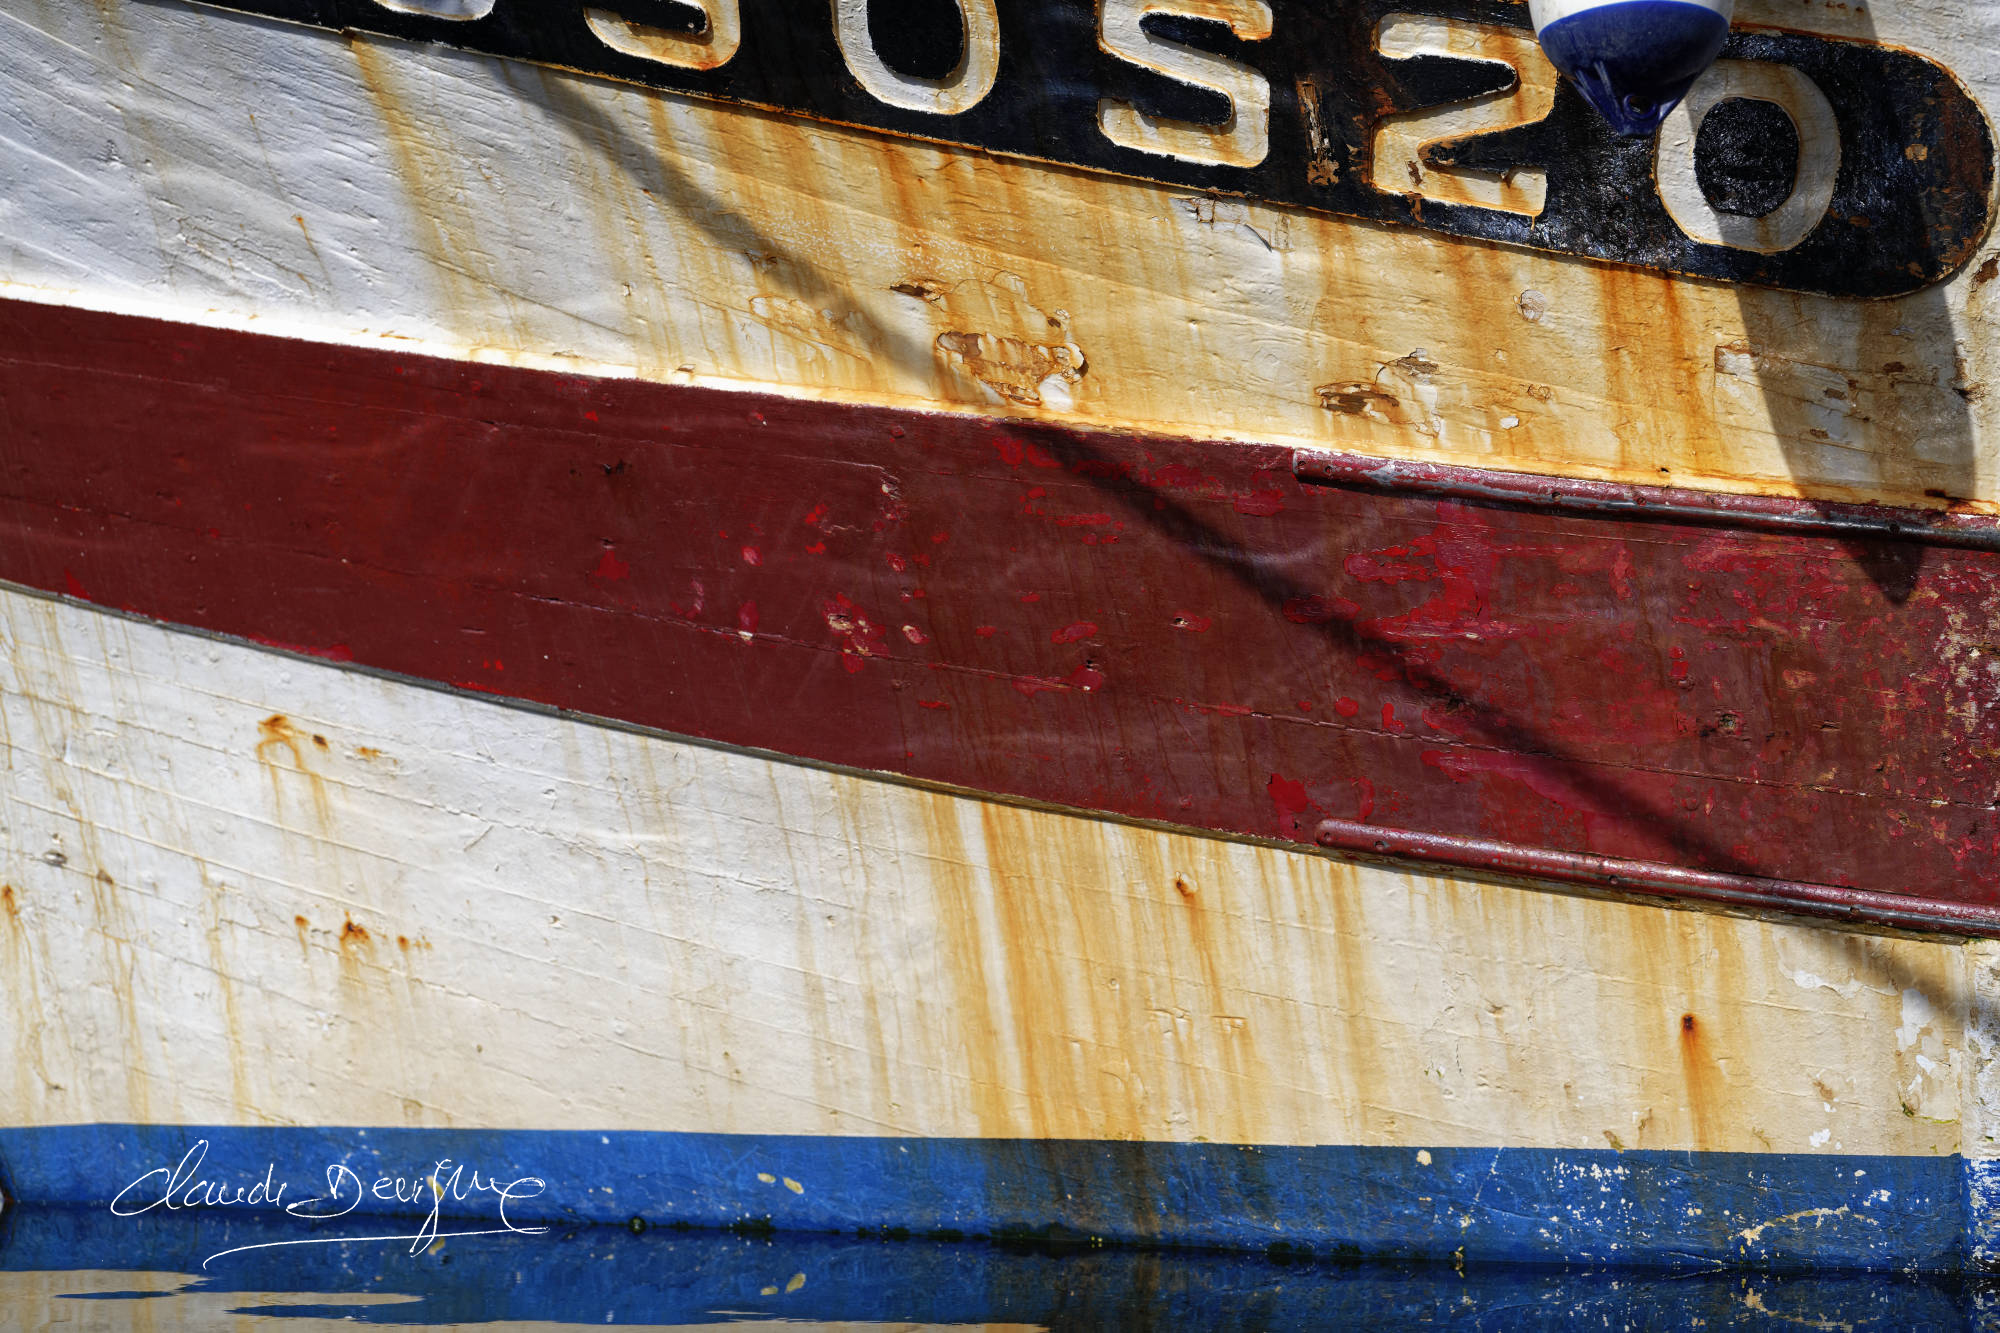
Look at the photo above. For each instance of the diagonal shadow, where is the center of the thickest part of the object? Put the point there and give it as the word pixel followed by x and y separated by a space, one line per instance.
pixel 575 106
pixel 1867 396
pixel 1349 635
pixel 1861 949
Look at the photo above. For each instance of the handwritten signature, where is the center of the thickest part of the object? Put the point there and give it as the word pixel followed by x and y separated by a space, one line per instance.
pixel 183 1186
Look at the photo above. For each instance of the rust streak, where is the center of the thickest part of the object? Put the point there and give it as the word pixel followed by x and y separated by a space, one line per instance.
pixel 1703 1082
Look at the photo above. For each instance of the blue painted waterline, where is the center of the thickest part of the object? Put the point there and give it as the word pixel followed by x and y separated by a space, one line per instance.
pixel 598 1276
pixel 1505 1205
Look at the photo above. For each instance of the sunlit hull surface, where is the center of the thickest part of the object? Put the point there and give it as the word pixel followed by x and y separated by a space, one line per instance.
pixel 767 674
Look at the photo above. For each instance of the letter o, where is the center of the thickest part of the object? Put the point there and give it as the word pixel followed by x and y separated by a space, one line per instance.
pixel 961 90
pixel 1812 184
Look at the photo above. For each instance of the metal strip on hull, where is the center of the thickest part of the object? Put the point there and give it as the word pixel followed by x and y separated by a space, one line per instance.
pixel 1589 498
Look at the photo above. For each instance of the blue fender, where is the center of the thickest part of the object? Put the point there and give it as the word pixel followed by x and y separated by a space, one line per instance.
pixel 1632 59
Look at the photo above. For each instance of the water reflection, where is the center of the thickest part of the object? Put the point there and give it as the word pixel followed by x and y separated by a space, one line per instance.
pixel 87 1270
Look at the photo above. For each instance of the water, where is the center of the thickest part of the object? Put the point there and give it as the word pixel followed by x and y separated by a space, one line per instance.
pixel 87 1270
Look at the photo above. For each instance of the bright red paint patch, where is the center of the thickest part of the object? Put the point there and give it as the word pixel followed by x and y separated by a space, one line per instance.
pixel 1289 795
pixel 1086 677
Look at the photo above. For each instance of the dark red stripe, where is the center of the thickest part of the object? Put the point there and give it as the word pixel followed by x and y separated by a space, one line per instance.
pixel 1157 628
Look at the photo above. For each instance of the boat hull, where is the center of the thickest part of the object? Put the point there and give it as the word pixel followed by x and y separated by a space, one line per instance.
pixel 737 671
pixel 313 915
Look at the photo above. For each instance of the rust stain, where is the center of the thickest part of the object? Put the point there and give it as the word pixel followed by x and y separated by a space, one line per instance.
pixel 1356 398
pixel 818 1000
pixel 357 952
pixel 430 178
pixel 20 988
pixel 276 731
pixel 1341 921
pixel 121 959
pixel 965 966
pixel 1042 907
pixel 989 218
pixel 278 740
pixel 1703 1081
pixel 224 971
pixel 1657 384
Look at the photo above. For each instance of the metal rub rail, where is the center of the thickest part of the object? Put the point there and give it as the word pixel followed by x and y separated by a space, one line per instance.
pixel 1856 906
pixel 1650 504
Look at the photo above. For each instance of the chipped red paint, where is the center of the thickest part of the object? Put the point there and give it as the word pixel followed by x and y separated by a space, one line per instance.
pixel 1720 700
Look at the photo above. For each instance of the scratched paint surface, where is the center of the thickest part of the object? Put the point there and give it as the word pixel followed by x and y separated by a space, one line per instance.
pixel 1149 627
pixel 184 162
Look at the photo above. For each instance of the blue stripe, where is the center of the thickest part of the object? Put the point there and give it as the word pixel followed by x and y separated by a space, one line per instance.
pixel 607 1275
pixel 1479 1204
pixel 602 1275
